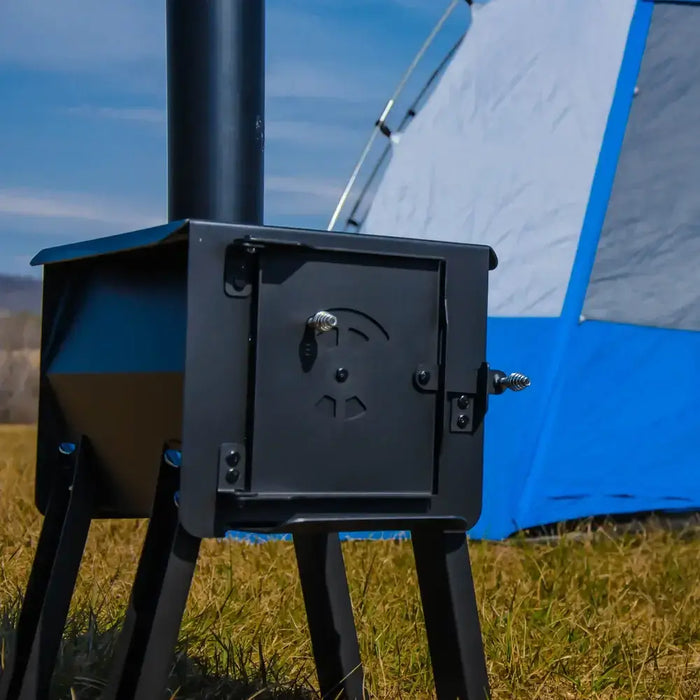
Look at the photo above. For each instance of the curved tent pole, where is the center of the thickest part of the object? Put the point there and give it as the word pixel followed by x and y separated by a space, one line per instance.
pixel 410 113
pixel 380 125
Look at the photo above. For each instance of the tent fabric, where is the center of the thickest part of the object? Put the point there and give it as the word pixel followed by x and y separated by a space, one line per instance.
pixel 616 446
pixel 596 223
pixel 506 147
pixel 648 260
pixel 514 423
pixel 565 340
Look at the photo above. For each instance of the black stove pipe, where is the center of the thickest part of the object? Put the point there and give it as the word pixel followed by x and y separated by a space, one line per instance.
pixel 216 109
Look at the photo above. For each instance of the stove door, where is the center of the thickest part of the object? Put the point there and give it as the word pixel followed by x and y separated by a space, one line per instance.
pixel 351 410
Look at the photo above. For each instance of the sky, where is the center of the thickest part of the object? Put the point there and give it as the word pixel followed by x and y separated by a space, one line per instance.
pixel 83 99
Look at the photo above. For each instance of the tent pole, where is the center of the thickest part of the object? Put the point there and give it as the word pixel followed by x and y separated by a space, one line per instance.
pixel 381 122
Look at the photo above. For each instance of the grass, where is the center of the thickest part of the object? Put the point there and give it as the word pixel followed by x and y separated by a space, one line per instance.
pixel 592 616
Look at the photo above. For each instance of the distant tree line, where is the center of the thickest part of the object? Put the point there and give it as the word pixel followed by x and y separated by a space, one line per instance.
pixel 20 336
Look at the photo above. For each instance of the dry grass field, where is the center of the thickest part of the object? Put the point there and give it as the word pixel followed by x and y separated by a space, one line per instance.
pixel 592 616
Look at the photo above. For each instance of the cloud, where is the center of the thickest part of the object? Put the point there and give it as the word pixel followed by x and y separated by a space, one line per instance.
pixel 147 115
pixel 125 40
pixel 318 188
pixel 304 132
pixel 304 79
pixel 100 38
pixel 301 196
pixel 75 206
pixel 81 35
pixel 419 5
pixel 330 69
pixel 291 194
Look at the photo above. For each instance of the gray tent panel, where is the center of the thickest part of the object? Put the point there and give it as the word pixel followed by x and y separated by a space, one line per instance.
pixel 647 267
pixel 504 151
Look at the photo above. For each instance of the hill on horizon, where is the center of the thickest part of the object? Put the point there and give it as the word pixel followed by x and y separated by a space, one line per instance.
pixel 20 294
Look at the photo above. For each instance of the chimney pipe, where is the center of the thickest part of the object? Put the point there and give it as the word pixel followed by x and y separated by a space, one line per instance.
pixel 216 107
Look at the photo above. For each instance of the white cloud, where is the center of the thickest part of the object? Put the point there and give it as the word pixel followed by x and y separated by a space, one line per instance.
pixel 424 5
pixel 81 35
pixel 305 79
pixel 290 195
pixel 321 76
pixel 310 53
pixel 127 38
pixel 148 115
pixel 318 188
pixel 310 133
pixel 75 206
pixel 300 196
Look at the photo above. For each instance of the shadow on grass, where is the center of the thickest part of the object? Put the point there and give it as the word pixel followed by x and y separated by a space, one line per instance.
pixel 84 664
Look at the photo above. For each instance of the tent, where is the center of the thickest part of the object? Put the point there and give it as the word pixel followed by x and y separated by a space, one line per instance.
pixel 566 134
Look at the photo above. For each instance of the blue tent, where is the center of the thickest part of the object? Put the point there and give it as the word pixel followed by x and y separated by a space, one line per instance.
pixel 566 134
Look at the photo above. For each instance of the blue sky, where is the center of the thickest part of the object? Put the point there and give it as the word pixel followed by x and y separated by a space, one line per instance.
pixel 82 117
